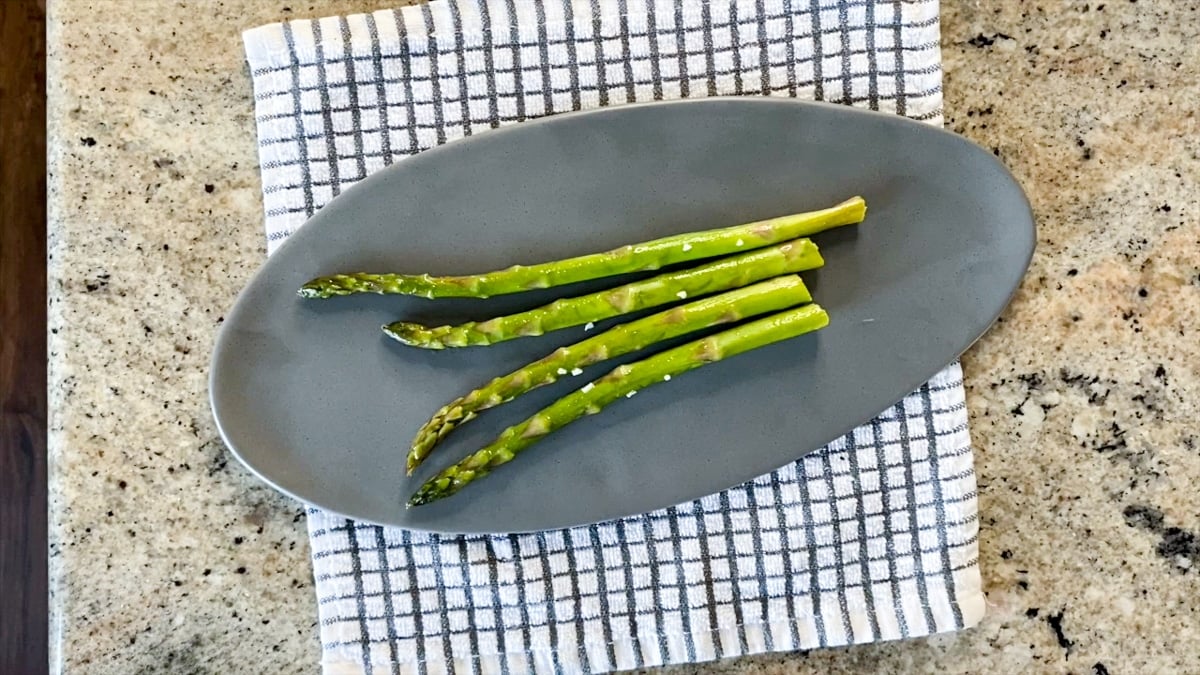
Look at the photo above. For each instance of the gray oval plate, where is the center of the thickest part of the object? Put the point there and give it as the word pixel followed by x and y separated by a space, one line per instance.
pixel 314 399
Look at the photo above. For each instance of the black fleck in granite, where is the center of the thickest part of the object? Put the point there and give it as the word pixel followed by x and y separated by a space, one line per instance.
pixel 167 557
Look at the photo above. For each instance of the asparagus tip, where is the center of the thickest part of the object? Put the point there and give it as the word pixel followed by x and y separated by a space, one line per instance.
pixel 412 334
pixel 420 498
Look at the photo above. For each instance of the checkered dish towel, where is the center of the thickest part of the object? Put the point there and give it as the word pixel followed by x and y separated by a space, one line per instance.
pixel 871 538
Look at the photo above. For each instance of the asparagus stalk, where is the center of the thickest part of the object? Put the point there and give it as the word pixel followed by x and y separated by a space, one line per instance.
pixel 720 275
pixel 763 297
pixel 624 381
pixel 650 255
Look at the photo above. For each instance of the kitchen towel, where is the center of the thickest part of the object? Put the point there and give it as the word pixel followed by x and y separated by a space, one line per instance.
pixel 873 537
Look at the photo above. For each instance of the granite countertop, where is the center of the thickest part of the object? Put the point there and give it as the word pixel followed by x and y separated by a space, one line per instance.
pixel 167 556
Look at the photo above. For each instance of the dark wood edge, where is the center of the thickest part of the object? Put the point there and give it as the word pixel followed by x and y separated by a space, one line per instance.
pixel 23 584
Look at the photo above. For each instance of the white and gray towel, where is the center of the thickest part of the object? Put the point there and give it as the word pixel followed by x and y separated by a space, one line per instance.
pixel 873 537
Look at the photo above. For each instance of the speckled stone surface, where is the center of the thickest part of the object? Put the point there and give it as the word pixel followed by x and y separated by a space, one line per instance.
pixel 166 557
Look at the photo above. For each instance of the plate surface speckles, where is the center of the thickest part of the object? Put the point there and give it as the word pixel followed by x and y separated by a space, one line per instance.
pixel 314 399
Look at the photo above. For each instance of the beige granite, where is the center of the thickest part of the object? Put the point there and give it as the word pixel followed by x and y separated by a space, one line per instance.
pixel 166 557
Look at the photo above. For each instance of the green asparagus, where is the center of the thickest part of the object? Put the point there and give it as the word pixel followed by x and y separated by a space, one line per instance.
pixel 720 275
pixel 624 381
pixel 650 255
pixel 763 297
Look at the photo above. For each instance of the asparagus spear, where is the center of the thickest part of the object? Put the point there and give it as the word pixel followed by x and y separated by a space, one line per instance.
pixel 624 381
pixel 650 255
pixel 720 275
pixel 767 296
